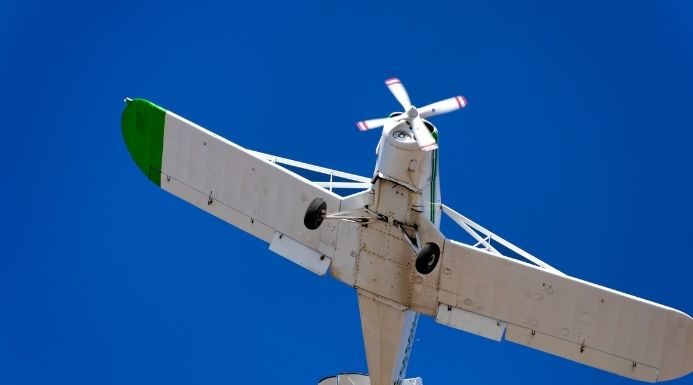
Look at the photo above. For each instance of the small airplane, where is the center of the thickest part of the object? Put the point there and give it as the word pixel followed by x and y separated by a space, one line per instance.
pixel 384 240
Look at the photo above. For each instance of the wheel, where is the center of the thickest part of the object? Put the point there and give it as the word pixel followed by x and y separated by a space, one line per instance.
pixel 315 213
pixel 427 258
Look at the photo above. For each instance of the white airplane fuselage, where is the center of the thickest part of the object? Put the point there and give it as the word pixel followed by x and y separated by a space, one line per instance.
pixel 406 193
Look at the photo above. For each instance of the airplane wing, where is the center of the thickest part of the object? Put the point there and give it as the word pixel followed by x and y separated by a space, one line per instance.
pixel 246 189
pixel 483 292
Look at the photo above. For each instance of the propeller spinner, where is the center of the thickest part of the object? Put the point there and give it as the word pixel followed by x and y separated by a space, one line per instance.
pixel 413 116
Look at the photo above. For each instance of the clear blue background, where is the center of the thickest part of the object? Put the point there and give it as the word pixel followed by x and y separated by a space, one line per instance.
pixel 576 145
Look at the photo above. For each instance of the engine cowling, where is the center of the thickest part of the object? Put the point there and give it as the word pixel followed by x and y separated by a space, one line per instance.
pixel 400 159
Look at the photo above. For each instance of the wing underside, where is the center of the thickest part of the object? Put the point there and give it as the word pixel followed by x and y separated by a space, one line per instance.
pixel 486 293
pixel 246 189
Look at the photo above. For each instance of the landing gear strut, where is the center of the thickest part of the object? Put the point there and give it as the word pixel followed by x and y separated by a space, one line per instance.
pixel 317 212
pixel 427 256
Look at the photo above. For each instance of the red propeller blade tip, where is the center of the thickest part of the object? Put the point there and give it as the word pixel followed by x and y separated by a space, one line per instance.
pixel 391 81
pixel 361 126
pixel 461 101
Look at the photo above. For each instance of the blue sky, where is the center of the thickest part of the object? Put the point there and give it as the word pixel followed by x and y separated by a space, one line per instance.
pixel 576 146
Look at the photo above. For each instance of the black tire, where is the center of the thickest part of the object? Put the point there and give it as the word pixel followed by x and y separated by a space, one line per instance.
pixel 315 213
pixel 427 258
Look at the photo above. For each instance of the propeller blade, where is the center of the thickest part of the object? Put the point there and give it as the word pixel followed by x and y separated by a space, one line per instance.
pixel 398 90
pixel 443 106
pixel 423 137
pixel 366 125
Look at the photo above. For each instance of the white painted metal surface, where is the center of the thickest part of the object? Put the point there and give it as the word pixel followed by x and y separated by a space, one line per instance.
pixel 470 322
pixel 568 317
pixel 231 183
pixel 388 335
pixel 360 379
pixel 299 254
pixel 400 160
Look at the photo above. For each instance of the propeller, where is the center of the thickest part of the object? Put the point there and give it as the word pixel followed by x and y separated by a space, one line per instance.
pixel 414 116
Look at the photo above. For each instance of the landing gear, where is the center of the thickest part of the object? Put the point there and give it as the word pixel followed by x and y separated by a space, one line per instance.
pixel 317 209
pixel 317 212
pixel 427 258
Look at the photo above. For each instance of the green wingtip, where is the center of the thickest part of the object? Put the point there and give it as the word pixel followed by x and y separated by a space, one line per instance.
pixel 143 132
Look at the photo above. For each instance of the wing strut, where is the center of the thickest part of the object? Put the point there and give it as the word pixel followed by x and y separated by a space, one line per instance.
pixel 354 181
pixel 484 238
